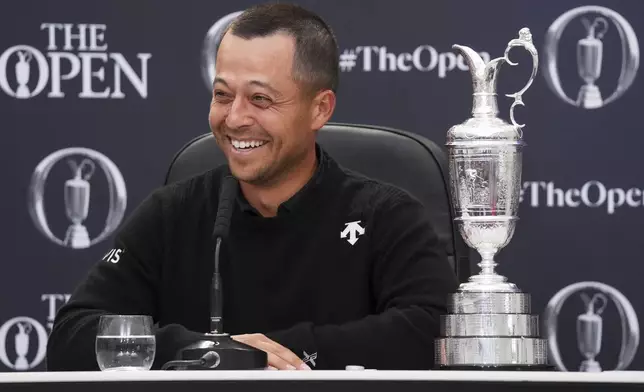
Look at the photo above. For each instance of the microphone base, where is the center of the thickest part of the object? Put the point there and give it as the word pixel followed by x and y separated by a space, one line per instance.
pixel 233 355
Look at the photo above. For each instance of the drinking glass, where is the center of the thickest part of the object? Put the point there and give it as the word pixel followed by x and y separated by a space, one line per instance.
pixel 125 343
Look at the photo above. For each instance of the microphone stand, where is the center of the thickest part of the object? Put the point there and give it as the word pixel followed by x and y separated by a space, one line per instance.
pixel 218 350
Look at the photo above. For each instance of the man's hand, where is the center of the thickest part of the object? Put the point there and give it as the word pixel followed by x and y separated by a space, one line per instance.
pixel 279 357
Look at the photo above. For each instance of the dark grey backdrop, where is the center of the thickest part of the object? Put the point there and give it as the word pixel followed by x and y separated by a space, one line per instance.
pixel 569 147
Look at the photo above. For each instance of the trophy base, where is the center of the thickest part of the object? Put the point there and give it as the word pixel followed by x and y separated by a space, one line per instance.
pixel 590 97
pixel 491 351
pixel 77 237
pixel 490 330
pixel 22 92
pixel 590 366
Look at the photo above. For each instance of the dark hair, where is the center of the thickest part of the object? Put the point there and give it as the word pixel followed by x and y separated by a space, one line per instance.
pixel 316 50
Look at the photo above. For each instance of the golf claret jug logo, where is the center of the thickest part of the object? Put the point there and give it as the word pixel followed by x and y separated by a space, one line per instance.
pixel 210 46
pixel 590 323
pixel 597 22
pixel 77 191
pixel 73 50
pixel 19 338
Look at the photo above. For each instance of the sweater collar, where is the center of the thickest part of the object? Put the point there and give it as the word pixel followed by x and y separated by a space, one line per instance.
pixel 310 191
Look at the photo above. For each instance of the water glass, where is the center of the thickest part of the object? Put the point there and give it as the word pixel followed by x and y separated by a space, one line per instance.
pixel 125 342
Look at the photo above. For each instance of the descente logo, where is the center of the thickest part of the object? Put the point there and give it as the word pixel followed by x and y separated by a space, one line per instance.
pixel 592 194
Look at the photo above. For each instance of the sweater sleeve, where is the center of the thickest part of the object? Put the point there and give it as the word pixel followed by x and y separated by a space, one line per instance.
pixel 411 278
pixel 125 281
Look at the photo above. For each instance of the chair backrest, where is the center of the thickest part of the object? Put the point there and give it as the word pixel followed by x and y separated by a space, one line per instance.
pixel 401 158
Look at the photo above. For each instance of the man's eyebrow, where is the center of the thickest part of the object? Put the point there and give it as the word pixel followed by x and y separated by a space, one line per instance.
pixel 218 79
pixel 266 86
pixel 259 83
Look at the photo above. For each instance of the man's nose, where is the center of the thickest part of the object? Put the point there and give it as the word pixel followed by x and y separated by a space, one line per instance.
pixel 239 114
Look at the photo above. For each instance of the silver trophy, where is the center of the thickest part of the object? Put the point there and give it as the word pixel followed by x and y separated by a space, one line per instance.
pixel 489 324
pixel 590 52
pixel 77 191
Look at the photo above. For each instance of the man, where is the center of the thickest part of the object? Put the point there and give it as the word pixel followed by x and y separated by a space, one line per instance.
pixel 293 287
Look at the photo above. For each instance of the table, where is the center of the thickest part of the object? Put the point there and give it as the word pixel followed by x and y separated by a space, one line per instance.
pixel 315 381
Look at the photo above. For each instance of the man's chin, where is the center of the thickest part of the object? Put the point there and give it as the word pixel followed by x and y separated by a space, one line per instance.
pixel 253 177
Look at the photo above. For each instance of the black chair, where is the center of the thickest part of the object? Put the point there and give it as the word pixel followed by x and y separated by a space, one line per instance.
pixel 404 159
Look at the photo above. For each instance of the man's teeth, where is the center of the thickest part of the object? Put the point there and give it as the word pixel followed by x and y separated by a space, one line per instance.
pixel 247 144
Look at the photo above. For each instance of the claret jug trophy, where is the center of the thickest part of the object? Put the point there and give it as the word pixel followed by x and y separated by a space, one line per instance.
pixel 489 325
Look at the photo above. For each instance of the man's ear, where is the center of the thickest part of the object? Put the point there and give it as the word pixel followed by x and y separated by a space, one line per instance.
pixel 322 108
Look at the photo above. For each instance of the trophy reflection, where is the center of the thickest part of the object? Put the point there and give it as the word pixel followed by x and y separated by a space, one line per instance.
pixel 590 51
pixel 77 192
pixel 589 331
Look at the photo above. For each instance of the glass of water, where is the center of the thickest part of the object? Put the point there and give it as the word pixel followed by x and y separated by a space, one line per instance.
pixel 125 343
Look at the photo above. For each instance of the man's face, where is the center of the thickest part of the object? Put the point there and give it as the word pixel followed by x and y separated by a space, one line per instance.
pixel 260 118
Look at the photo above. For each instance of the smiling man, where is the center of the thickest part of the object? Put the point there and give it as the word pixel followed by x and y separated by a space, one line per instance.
pixel 272 92
pixel 323 267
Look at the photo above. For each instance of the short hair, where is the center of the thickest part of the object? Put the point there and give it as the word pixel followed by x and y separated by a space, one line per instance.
pixel 315 60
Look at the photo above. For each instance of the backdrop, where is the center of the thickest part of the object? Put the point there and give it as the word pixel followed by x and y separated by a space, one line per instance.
pixel 97 97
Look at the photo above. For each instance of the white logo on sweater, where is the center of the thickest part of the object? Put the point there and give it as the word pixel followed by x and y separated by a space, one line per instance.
pixel 113 256
pixel 352 230
pixel 310 358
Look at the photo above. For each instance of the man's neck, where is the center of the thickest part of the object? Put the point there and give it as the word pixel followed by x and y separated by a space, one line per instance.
pixel 267 199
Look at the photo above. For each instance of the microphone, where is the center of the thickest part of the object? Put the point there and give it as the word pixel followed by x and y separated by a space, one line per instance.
pixel 217 350
pixel 227 196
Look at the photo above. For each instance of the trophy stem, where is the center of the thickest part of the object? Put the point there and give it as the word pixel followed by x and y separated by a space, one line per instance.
pixel 487 263
pixel 77 236
pixel 488 280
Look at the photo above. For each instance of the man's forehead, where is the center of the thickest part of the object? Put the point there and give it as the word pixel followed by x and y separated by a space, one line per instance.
pixel 263 61
pixel 278 42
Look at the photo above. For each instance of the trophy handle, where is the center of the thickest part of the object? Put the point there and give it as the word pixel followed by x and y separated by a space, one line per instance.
pixel 590 302
pixel 591 28
pixel 92 168
pixel 25 56
pixel 78 169
pixel 525 41
pixel 604 301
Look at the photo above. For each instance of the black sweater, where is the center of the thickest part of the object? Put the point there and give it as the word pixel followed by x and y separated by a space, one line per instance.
pixel 293 277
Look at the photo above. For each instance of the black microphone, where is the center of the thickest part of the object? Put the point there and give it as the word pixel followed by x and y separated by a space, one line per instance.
pixel 217 350
pixel 227 196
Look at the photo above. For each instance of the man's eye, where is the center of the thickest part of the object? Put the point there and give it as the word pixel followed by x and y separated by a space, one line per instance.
pixel 221 96
pixel 261 100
